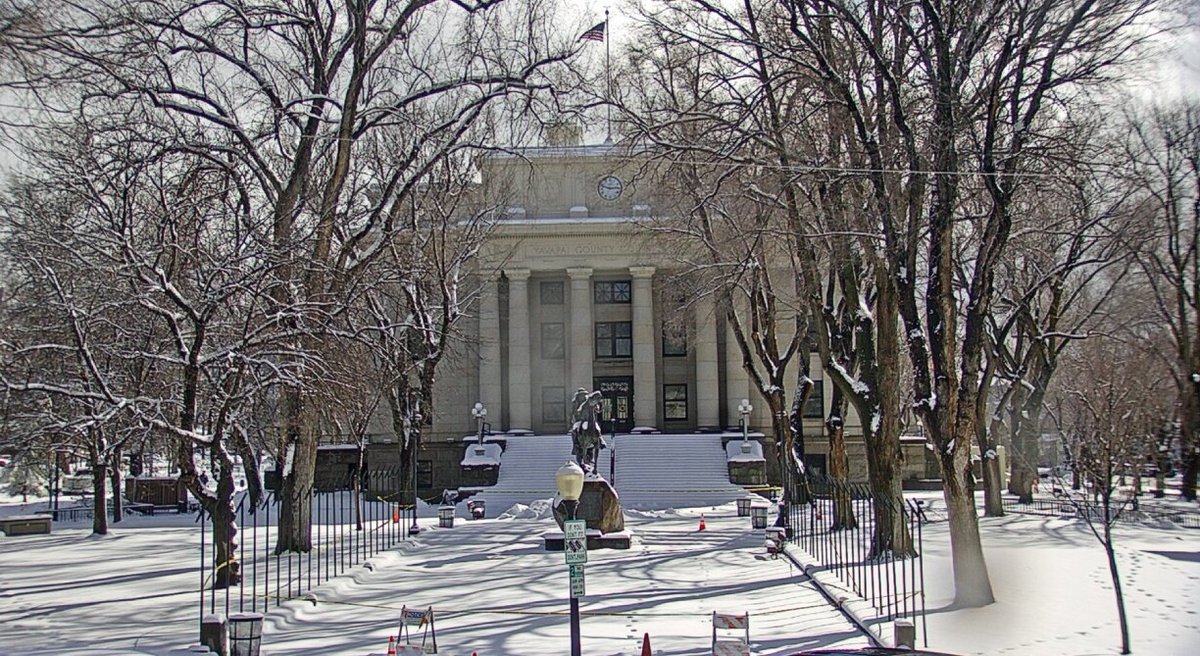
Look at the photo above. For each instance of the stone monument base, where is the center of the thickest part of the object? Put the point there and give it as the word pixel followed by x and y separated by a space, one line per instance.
pixel 600 507
pixel 553 540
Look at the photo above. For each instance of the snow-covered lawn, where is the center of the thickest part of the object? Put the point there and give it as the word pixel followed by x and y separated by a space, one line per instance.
pixel 1054 594
pixel 495 591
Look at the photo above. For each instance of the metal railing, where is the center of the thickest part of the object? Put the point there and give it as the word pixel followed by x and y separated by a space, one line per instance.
pixel 345 531
pixel 1144 514
pixel 889 578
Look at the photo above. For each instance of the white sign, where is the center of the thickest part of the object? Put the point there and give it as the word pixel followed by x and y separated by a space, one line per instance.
pixel 577 589
pixel 575 541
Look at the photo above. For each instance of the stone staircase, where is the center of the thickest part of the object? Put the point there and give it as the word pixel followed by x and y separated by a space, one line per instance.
pixel 673 471
pixel 653 471
pixel 527 470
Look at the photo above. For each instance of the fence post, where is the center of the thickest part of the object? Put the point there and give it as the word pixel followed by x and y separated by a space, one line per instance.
pixel 904 635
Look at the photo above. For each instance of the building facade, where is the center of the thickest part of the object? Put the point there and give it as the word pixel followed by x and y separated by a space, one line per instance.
pixel 577 292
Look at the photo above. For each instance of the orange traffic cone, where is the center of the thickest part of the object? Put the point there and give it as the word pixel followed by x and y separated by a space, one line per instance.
pixel 391 645
pixel 395 515
pixel 646 645
pixel 701 523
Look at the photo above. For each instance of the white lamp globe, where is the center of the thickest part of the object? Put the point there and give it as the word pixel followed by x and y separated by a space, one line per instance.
pixel 569 480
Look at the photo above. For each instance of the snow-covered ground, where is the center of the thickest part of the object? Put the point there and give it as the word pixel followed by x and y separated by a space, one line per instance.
pixel 495 591
pixel 1054 594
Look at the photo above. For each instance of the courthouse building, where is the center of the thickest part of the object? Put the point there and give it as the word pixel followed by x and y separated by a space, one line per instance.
pixel 577 293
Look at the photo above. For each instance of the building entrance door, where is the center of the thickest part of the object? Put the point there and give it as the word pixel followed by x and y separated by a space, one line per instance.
pixel 618 403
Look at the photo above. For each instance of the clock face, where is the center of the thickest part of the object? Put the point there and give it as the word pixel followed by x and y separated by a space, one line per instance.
pixel 610 187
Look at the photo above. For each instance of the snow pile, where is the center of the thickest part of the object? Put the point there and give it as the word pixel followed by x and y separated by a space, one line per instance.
pixel 536 510
pixel 748 451
pixel 482 455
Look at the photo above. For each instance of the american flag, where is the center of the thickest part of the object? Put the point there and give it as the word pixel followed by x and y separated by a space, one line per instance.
pixel 596 33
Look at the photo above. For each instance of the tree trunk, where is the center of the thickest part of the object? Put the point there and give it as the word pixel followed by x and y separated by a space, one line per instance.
pixel 226 568
pixel 356 489
pixel 300 453
pixel 1110 553
pixel 99 497
pixel 993 501
pixel 839 465
pixel 986 439
pixel 1191 468
pixel 781 426
pixel 137 462
pixel 406 426
pixel 115 479
pixel 1021 474
pixel 881 429
pixel 972 587
pixel 890 534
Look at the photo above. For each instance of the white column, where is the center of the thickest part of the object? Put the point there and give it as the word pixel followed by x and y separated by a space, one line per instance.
pixel 490 388
pixel 708 384
pixel 519 394
pixel 582 332
pixel 645 384
pixel 737 381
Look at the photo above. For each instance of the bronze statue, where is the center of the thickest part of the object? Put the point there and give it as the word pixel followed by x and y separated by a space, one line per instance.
pixel 585 428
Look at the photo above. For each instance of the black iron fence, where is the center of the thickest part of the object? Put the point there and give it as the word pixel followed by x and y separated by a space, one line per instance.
pixel 1143 514
pixel 836 524
pixel 352 520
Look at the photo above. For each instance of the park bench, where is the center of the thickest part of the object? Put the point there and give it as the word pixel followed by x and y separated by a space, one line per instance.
pixel 25 525
pixel 155 509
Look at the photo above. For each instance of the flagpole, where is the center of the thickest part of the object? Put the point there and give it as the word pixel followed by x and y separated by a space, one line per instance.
pixel 608 75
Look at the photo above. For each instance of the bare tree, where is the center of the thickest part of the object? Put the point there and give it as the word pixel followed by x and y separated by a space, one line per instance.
pixel 729 101
pixel 294 101
pixel 1164 156
pixel 927 73
pixel 1107 423
pixel 424 286
pixel 1068 256
pixel 157 306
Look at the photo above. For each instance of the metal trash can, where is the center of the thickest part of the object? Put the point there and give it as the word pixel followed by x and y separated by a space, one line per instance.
pixel 743 506
pixel 245 634
pixel 446 516
pixel 758 516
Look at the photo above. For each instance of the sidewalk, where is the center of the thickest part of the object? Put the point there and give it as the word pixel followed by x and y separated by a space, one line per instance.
pixel 495 591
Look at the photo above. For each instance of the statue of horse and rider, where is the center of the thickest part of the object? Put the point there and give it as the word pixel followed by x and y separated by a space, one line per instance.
pixel 585 428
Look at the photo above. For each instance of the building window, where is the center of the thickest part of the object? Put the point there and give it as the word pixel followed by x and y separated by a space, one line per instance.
pixel 674 342
pixel 614 339
pixel 814 406
pixel 553 341
pixel 554 404
pixel 552 292
pixel 612 291
pixel 675 402
pixel 425 474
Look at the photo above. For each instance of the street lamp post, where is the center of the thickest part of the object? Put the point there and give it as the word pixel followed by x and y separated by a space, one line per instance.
pixel 569 480
pixel 56 485
pixel 479 413
pixel 744 409
pixel 415 529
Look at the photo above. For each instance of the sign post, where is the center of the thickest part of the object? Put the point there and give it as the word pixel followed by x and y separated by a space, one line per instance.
pixel 575 551
pixel 575 541
pixel 577 589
